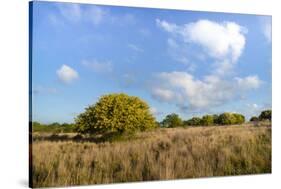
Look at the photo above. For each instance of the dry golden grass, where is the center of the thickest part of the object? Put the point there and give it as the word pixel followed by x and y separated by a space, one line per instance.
pixel 156 155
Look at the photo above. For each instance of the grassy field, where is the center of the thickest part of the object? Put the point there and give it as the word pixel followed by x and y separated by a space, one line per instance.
pixel 70 159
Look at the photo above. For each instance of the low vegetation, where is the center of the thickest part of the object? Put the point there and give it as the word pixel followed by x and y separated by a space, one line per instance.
pixel 165 153
pixel 53 128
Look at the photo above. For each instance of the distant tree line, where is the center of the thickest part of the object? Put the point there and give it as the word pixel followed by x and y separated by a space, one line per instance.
pixel 173 120
pixel 53 127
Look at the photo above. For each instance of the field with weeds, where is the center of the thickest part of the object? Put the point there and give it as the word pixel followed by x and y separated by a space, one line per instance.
pixel 167 153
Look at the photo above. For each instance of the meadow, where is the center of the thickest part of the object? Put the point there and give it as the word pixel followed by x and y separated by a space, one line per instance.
pixel 161 154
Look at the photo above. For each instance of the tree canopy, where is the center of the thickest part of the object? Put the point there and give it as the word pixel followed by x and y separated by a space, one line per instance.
pixel 172 120
pixel 230 118
pixel 207 120
pixel 117 113
pixel 265 115
pixel 254 118
pixel 193 121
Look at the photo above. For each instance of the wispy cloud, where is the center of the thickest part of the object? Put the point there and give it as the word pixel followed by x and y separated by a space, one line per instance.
pixel 95 14
pixel 44 90
pixel 266 27
pixel 155 111
pixel 75 13
pixel 66 74
pixel 249 82
pixel 135 48
pixel 70 11
pixel 124 19
pixel 98 66
pixel 179 52
pixel 54 20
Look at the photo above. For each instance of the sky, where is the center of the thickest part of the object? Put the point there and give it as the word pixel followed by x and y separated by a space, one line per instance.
pixel 186 62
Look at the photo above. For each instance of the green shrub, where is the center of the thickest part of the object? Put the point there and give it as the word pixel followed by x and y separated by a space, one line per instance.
pixel 207 120
pixel 265 115
pixel 239 118
pixel 254 118
pixel 226 119
pixel 195 121
pixel 230 118
pixel 216 119
pixel 172 120
pixel 116 113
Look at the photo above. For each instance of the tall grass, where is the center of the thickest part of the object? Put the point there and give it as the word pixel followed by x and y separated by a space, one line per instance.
pixel 156 155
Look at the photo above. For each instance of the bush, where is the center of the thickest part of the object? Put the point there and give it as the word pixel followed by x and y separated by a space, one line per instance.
pixel 265 115
pixel 116 113
pixel 239 118
pixel 216 119
pixel 195 121
pixel 207 120
pixel 230 118
pixel 254 118
pixel 226 119
pixel 172 120
pixel 67 127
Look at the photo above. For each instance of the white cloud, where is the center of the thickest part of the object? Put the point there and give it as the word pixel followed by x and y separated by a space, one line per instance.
pixel 223 68
pixel 97 66
pixel 219 40
pixel 267 28
pixel 155 111
pixel 67 74
pixel 74 13
pixel 249 82
pixel 163 94
pixel 224 42
pixel 184 90
pixel 169 27
pixel 70 11
pixel 94 14
pixel 254 106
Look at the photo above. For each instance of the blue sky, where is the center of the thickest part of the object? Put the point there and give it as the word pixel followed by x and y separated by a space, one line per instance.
pixel 184 62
